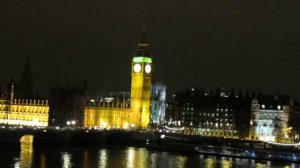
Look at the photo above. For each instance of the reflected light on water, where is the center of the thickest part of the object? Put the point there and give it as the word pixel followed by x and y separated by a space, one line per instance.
pixel 137 157
pixel 130 157
pixel 43 161
pixel 142 158
pixel 259 165
pixel 210 163
pixel 66 160
pixel 153 159
pixel 26 152
pixel 127 158
pixel 180 161
pixel 85 163
pixel 226 163
pixel 103 157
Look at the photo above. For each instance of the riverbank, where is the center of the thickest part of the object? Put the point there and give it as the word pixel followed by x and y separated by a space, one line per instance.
pixel 234 148
pixel 10 138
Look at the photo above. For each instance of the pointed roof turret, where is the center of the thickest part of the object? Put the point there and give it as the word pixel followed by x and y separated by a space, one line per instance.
pixel 143 46
pixel 26 81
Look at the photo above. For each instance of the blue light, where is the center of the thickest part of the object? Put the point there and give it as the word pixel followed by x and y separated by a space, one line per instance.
pixel 294 157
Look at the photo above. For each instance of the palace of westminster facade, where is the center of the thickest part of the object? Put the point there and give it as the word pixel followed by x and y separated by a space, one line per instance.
pixel 226 114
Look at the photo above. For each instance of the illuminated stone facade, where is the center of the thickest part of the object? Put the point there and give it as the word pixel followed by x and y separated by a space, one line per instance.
pixel 158 103
pixel 269 118
pixel 223 114
pixel 120 114
pixel 107 115
pixel 23 112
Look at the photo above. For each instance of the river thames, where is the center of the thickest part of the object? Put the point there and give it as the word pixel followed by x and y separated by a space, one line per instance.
pixel 120 156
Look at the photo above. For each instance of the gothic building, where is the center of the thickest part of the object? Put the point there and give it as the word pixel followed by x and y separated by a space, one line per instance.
pixel 19 106
pixel 23 111
pixel 158 103
pixel 119 113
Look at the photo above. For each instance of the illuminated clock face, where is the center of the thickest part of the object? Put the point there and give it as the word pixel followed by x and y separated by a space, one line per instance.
pixel 137 67
pixel 148 68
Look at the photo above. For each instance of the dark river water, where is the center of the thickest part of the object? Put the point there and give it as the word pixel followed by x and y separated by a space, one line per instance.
pixel 116 156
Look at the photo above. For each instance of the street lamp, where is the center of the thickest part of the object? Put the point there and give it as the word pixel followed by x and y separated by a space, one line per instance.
pixel 73 122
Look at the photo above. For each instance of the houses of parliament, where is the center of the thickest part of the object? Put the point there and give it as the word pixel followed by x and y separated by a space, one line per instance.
pixel 19 106
pixel 124 113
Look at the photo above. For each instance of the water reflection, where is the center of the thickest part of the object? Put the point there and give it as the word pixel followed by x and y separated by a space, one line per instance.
pixel 26 153
pixel 123 157
pixel 103 157
pixel 43 161
pixel 130 158
pixel 66 160
pixel 226 163
pixel 210 163
pixel 86 163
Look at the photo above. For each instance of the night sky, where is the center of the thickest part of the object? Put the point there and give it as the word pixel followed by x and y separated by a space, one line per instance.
pixel 247 44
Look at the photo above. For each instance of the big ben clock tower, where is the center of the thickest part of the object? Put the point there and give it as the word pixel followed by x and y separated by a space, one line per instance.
pixel 141 71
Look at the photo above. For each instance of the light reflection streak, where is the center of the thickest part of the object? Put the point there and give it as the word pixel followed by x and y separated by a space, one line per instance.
pixel 259 165
pixel 85 163
pixel 66 160
pixel 43 161
pixel 226 163
pixel 103 158
pixel 210 163
pixel 181 161
pixel 153 159
pixel 26 152
pixel 130 157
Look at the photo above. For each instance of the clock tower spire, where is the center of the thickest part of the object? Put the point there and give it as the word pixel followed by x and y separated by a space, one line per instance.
pixel 141 72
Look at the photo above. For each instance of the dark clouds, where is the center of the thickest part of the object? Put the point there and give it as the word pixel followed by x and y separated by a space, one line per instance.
pixel 250 44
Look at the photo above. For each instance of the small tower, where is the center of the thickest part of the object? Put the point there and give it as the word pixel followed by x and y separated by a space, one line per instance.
pixel 12 91
pixel 26 82
pixel 141 72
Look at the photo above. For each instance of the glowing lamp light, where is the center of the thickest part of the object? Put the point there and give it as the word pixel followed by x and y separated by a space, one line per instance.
pixel 278 107
pixel 68 122
pixel 162 136
pixel 126 125
pixel 103 124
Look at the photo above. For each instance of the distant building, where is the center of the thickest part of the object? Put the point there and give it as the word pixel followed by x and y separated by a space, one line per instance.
pixel 67 106
pixel 269 118
pixel 294 118
pixel 119 113
pixel 158 103
pixel 23 112
pixel 223 114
